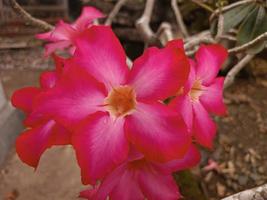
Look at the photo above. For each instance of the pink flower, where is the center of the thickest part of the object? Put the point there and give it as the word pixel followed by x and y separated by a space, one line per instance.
pixel 140 179
pixel 31 144
pixel 107 105
pixel 64 34
pixel 202 94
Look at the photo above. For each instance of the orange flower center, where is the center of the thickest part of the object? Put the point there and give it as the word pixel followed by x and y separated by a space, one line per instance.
pixel 196 90
pixel 121 101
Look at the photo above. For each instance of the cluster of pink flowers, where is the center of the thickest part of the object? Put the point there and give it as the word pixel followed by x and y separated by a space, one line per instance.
pixel 128 142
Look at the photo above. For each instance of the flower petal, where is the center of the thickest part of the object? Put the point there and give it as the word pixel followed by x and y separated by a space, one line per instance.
pixel 183 105
pixel 100 53
pixel 159 73
pixel 86 18
pixel 209 61
pixel 157 132
pixel 128 187
pixel 48 79
pixel 52 47
pixel 31 144
pixel 158 186
pixel 191 159
pixel 212 97
pixel 100 146
pixel 204 128
pixel 75 96
pixel 62 31
pixel 23 98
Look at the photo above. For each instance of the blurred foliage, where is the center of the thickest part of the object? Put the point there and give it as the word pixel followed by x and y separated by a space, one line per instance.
pixel 250 21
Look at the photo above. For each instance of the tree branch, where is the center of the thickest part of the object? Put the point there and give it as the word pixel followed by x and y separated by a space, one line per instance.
pixel 179 18
pixel 203 5
pixel 228 7
pixel 114 11
pixel 258 193
pixel 230 77
pixel 142 24
pixel 28 18
pixel 246 46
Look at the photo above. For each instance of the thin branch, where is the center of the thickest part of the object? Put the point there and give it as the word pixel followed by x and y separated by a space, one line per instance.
pixel 229 7
pixel 179 18
pixel 228 37
pixel 142 24
pixel 114 11
pixel 203 5
pixel 246 46
pixel 198 39
pixel 220 27
pixel 258 193
pixel 230 77
pixel 28 18
pixel 164 33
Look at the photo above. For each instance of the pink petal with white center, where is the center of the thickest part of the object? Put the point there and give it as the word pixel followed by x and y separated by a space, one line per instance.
pixel 204 128
pixel 31 144
pixel 99 51
pixel 209 61
pixel 183 105
pixel 100 146
pixel 212 97
pixel 23 98
pixel 86 18
pixel 157 132
pixel 190 159
pixel 158 186
pixel 76 96
pixel 158 73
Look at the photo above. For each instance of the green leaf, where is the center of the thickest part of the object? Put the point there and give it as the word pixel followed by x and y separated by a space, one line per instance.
pixel 254 25
pixel 235 16
pixel 245 33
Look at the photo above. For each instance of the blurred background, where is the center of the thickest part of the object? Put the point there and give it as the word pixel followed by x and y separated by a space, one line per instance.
pixel 240 153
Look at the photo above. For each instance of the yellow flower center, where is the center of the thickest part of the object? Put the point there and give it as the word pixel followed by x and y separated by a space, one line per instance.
pixel 121 101
pixel 196 90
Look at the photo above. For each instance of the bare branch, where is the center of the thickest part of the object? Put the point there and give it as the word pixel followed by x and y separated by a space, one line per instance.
pixel 179 18
pixel 228 7
pixel 164 33
pixel 114 11
pixel 220 27
pixel 258 193
pixel 203 5
pixel 246 46
pixel 195 40
pixel 28 18
pixel 142 24
pixel 228 37
pixel 230 77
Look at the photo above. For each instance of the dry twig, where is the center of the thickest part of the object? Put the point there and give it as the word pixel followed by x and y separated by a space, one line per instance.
pixel 164 33
pixel 28 18
pixel 258 193
pixel 179 18
pixel 195 40
pixel 114 11
pixel 246 46
pixel 203 5
pixel 142 24
pixel 230 77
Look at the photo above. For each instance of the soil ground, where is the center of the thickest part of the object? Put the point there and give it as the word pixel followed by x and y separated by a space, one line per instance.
pixel 240 152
